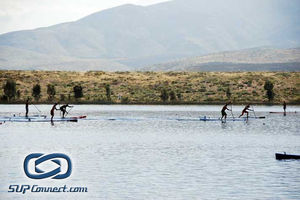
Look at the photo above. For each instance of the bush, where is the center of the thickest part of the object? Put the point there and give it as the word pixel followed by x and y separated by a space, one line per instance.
pixel 124 100
pixel 108 92
pixel 179 96
pixel 220 89
pixel 202 89
pixel 51 91
pixel 164 95
pixel 268 85
pixel 254 93
pixel 4 98
pixel 18 94
pixel 77 91
pixel 270 95
pixel 269 88
pixel 10 89
pixel 172 96
pixel 36 92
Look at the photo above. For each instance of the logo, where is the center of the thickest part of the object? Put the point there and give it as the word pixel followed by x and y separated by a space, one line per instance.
pixel 32 170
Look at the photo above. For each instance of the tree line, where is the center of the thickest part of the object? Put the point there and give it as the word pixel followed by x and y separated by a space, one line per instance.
pixel 11 92
pixel 172 96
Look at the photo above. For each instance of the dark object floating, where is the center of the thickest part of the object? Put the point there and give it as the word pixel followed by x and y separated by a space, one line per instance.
pixel 40 119
pixel 228 119
pixel 282 156
pixel 283 112
pixel 262 117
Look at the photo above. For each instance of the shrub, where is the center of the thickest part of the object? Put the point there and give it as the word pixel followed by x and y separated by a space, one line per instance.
pixel 202 89
pixel 10 89
pixel 36 92
pixel 254 93
pixel 4 98
pixel 77 91
pixel 51 91
pixel 164 95
pixel 172 96
pixel 269 88
pixel 179 96
pixel 18 94
pixel 124 100
pixel 108 92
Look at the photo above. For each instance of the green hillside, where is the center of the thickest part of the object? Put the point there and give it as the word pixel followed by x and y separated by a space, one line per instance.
pixel 151 87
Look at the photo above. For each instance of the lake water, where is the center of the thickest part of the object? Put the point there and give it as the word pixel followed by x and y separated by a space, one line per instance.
pixel 145 153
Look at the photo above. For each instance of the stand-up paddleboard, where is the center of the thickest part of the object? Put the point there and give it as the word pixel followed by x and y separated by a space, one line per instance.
pixel 260 117
pixel 283 112
pixel 283 156
pixel 37 116
pixel 188 119
pixel 204 118
pixel 212 119
pixel 21 118
pixel 229 118
pixel 116 119
pixel 40 119
pixel 24 117
pixel 81 117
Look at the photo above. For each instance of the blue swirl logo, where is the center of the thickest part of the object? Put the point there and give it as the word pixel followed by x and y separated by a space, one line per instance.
pixel 39 158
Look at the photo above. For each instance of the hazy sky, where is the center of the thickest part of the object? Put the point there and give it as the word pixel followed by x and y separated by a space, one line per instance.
pixel 28 14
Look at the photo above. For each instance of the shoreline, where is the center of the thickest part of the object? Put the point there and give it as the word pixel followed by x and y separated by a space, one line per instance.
pixel 155 104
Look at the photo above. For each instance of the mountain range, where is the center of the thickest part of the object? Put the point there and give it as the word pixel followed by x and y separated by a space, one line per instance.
pixel 131 37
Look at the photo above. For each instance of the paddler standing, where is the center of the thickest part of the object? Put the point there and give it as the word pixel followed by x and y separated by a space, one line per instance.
pixel 223 111
pixel 52 111
pixel 27 107
pixel 284 108
pixel 63 109
pixel 245 110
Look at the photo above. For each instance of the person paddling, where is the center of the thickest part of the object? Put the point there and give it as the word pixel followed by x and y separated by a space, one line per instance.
pixel 284 108
pixel 27 107
pixel 52 111
pixel 245 110
pixel 63 109
pixel 223 111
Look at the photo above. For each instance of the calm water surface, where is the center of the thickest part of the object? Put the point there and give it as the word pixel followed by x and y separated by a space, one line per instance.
pixel 145 153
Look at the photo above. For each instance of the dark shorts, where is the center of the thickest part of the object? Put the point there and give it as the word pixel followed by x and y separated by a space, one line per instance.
pixel 223 113
pixel 244 112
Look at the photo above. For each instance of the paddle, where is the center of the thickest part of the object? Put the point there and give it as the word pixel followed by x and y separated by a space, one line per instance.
pixel 69 110
pixel 232 112
pixel 254 112
pixel 36 107
pixel 59 108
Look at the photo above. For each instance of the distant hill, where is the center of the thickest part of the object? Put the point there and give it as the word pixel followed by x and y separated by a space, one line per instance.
pixel 257 59
pixel 132 37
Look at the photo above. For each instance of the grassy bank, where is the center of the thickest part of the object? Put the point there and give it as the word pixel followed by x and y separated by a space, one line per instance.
pixel 147 87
